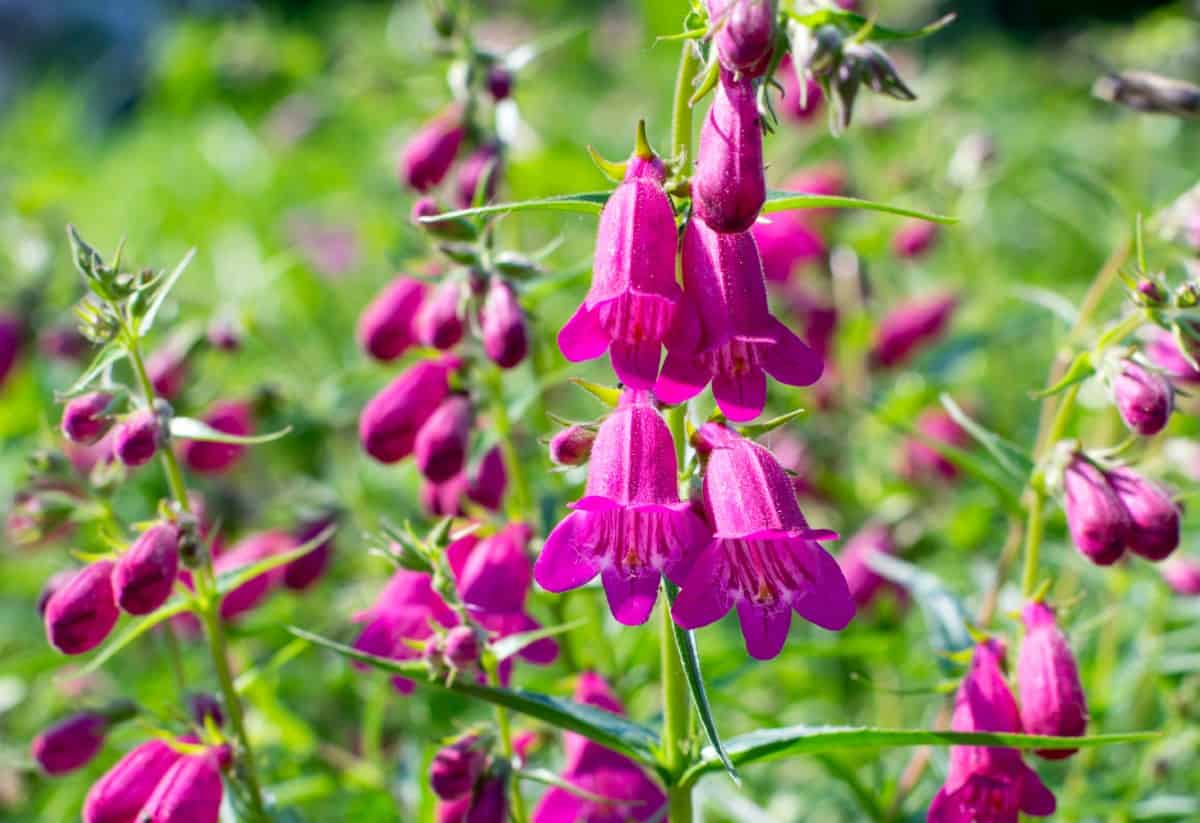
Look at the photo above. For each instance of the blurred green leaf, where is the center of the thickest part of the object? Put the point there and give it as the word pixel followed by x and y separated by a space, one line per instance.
pixel 790 200
pixel 1009 456
pixel 189 428
pixel 943 612
pixel 104 359
pixel 584 203
pixel 854 23
pixel 162 287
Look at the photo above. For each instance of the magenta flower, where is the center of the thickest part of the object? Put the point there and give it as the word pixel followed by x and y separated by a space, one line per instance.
pixel 914 239
pixel 764 558
pixel 785 241
pixel 439 321
pixel 920 460
pixel 632 301
pixel 145 573
pixel 1052 699
pixel 71 743
pixel 123 790
pixel 189 791
pixel 406 609
pixel 12 334
pixel 247 551
pixel 1164 352
pixel 487 486
pixel 55 582
pixel 572 446
pixel 1183 576
pixel 1097 519
pixel 84 419
pixel 385 328
pixel 456 767
pixel 81 614
pixel 138 437
pixel 1144 398
pixel 985 784
pixel 442 441
pixel 444 499
pixel 167 369
pixel 630 527
pixel 729 186
pixel 63 343
pixel 204 707
pixel 743 33
pixel 484 160
pixel 304 571
pixel 724 331
pixel 431 151
pixel 1153 516
pixel 388 425
pixel 630 794
pixel 231 417
pixel 910 326
pixel 505 330
pixel 865 583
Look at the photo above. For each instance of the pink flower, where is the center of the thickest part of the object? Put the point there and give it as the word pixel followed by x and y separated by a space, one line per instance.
pixel 1144 398
pixel 71 743
pixel 385 328
pixel 764 558
pixel 145 573
pixel 388 425
pixel 729 186
pixel 247 551
pixel 439 322
pixel 724 331
pixel 167 369
pixel 630 527
pixel 499 83
pixel 743 34
pixel 138 437
pixel 505 330
pixel 430 152
pixel 1052 699
pixel 910 326
pixel 1099 523
pixel 484 160
pixel 230 417
pixel 12 333
pixel 456 767
pixel 632 795
pixel 406 609
pixel 921 460
pixel 1153 516
pixel 632 301
pixel 306 570
pixel 490 480
pixel 81 614
pixel 84 418
pixel 441 443
pixel 1164 352
pixel 914 239
pixel 189 791
pixel 572 446
pixel 984 784
pixel 1183 576
pixel 865 583
pixel 123 790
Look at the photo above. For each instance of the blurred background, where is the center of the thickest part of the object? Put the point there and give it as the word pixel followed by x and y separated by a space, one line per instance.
pixel 265 134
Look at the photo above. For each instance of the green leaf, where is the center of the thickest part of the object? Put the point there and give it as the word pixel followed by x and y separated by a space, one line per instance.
pixel 852 22
pixel 753 430
pixel 609 730
pixel 506 647
pixel 177 605
pixel 162 287
pixel 104 359
pixel 772 744
pixel 689 655
pixel 943 612
pixel 788 200
pixel 189 428
pixel 1081 369
pixel 230 580
pixel 584 203
pixel 1009 456
pixel 607 395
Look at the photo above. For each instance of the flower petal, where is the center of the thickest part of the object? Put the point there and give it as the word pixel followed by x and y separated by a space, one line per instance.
pixel 683 377
pixel 790 361
pixel 630 598
pixel 742 396
pixel 558 805
pixel 704 598
pixel 765 630
pixel 1036 799
pixel 688 536
pixel 566 561
pixel 636 364
pixel 582 337
pixel 827 602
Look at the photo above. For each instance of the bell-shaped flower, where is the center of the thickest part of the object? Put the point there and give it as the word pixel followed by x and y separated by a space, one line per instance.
pixel 407 609
pixel 431 151
pixel 630 527
pixel 71 743
pixel 1153 515
pixel 743 33
pixel 865 583
pixel 1145 399
pixel 1164 352
pixel 84 419
pixel 385 328
pixel 145 573
pixel 439 322
pixel 442 442
pixel 484 160
pixel 304 571
pixel 502 322
pixel 189 791
pixel 987 784
pixel 729 186
pixel 81 613
pixel 629 308
pixel 909 327
pixel 137 438
pixel 123 790
pixel 763 559
pixel 1052 699
pixel 1097 519
pixel 246 552
pixel 388 425
pixel 724 331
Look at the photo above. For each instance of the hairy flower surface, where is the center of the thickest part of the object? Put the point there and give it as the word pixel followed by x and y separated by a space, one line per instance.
pixel 729 186
pixel 1052 699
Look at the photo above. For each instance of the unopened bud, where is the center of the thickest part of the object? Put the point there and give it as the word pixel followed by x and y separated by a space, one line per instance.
pixel 572 446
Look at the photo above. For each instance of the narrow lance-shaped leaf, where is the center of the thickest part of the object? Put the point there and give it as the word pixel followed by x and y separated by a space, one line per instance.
pixel 609 730
pixel 103 360
pixel 506 647
pixel 789 200
pixel 1009 456
pixel 177 605
pixel 230 580
pixel 189 428
pixel 583 203
pixel 162 287
pixel 874 32
pixel 1081 369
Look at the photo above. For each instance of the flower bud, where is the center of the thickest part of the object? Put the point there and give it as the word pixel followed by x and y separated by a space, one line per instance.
pixel 729 186
pixel 71 743
pixel 1164 352
pixel 246 552
pixel 123 790
pixel 1153 516
pixel 444 499
pixel 385 328
pixel 908 327
pixel 204 457
pixel 84 419
pixel 81 614
pixel 914 239
pixel 1183 576
pixel 1145 399
pixel 1152 293
pixel 572 446
pixel 167 369
pixel 138 437
pixel 441 444
pixel 461 648
pixel 55 582
pixel 877 71
pixel 490 803
pixel 203 706
pixel 190 790
pixel 505 331
pixel 389 423
pixel 743 34
pixel 428 155
pixel 1098 521
pixel 456 767
pixel 63 343
pixel 307 570
pixel 145 573
pixel 488 485
pixel 439 322
pixel 483 162
pixel 499 83
pixel 12 333
pixel 1052 699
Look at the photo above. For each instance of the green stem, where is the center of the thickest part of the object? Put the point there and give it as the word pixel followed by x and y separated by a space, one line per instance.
pixel 516 801
pixel 520 500
pixel 681 112
pixel 372 721
pixel 675 699
pixel 1033 542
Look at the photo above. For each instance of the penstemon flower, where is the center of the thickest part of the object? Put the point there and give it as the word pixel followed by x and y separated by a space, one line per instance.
pixel 1099 523
pixel 145 573
pixel 232 417
pixel 763 559
pixel 1144 398
pixel 389 423
pixel 81 613
pixel 743 34
pixel 910 326
pixel 386 326
pixel 71 743
pixel 431 151
pixel 630 527
pixel 1153 516
pixel 729 186
pixel 190 790
pixel 1052 699
pixel 119 795
pixel 406 609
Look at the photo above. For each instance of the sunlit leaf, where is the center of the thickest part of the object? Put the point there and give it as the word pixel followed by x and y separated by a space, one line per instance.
pixel 506 647
pixel 103 360
pixel 790 200
pixel 584 203
pixel 162 287
pixel 853 23
pixel 189 428
pixel 1081 369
